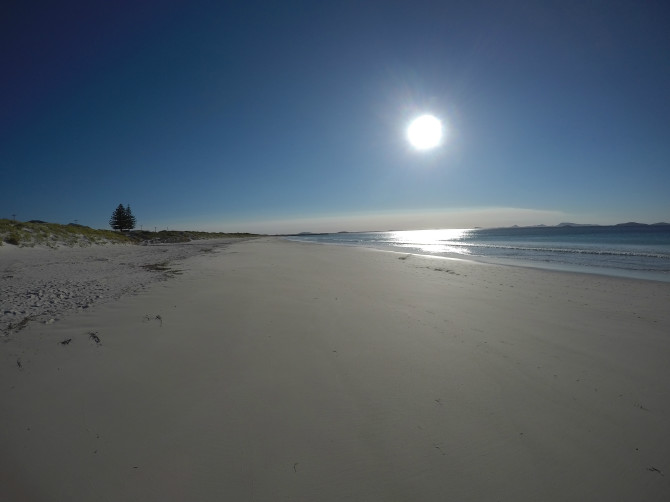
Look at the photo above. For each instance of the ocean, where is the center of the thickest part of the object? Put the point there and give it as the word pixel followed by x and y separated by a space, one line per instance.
pixel 629 251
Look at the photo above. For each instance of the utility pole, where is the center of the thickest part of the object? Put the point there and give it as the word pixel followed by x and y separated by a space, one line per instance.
pixel 14 217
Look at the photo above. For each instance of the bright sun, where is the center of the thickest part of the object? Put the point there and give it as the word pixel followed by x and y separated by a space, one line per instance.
pixel 425 132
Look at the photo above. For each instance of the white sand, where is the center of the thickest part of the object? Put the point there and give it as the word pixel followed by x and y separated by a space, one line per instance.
pixel 272 370
pixel 43 283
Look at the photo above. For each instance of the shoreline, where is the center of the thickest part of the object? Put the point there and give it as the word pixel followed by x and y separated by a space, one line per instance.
pixel 273 370
pixel 643 275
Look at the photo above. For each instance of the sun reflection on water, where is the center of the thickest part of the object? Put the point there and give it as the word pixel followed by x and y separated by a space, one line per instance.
pixel 443 240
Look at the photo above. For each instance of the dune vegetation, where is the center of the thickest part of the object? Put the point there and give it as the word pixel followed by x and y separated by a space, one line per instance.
pixel 39 233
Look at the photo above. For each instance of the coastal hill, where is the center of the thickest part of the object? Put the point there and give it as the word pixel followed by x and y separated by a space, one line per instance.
pixel 635 224
pixel 41 233
pixel 627 224
pixel 575 225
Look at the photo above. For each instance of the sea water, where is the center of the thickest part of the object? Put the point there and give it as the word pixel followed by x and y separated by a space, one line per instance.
pixel 633 251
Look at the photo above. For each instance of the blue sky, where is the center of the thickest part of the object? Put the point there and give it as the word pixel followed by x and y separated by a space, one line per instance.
pixel 290 116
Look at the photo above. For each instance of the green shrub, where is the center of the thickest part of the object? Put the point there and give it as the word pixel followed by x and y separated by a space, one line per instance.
pixel 13 238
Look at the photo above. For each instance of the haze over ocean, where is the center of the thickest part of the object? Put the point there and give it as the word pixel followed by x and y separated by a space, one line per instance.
pixel 281 117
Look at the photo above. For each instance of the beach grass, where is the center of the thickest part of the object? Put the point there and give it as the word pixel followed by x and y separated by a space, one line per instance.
pixel 30 234
pixel 176 236
pixel 38 233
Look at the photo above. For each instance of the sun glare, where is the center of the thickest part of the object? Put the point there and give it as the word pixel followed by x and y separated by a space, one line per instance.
pixel 425 132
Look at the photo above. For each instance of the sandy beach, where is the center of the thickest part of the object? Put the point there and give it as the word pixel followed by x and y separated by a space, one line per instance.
pixel 269 370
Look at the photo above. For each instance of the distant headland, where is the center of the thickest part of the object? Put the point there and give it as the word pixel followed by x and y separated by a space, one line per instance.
pixel 568 224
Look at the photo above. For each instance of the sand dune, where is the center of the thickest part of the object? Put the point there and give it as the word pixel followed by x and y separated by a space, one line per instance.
pixel 272 370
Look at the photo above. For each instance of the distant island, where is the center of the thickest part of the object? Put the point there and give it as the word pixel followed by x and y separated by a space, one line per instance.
pixel 627 224
pixel 635 224
pixel 568 224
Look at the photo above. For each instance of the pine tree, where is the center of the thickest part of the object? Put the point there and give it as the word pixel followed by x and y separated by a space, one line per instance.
pixel 130 218
pixel 122 218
